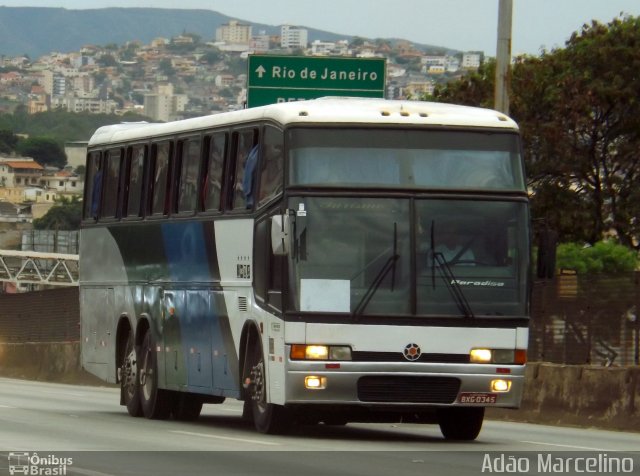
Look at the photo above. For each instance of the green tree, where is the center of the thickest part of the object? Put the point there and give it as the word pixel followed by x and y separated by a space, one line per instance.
pixel 579 113
pixel 43 150
pixel 8 141
pixel 66 214
pixel 166 67
pixel 603 257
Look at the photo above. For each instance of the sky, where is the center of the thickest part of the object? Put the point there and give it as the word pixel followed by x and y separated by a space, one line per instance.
pixel 458 24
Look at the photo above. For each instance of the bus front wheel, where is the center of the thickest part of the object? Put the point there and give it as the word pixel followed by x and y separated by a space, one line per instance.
pixel 129 388
pixel 461 423
pixel 156 403
pixel 267 417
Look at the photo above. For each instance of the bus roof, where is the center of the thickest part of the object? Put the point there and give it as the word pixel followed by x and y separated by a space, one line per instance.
pixel 330 110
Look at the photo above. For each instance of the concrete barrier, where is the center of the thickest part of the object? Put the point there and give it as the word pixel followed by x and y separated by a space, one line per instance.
pixel 585 396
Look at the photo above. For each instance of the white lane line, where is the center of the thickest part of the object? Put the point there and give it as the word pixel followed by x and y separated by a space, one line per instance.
pixel 6 406
pixel 231 410
pixel 68 394
pixel 569 446
pixel 244 440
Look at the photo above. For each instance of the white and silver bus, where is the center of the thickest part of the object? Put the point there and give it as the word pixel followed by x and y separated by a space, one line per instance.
pixel 333 260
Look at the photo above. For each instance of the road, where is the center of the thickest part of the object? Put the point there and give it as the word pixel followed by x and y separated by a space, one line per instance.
pixel 87 424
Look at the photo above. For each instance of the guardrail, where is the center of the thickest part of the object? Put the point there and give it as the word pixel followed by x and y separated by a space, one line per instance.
pixel 33 267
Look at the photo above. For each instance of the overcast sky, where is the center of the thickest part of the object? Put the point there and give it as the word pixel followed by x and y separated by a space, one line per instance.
pixel 458 24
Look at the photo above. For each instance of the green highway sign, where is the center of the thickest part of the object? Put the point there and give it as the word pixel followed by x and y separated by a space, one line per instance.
pixel 273 79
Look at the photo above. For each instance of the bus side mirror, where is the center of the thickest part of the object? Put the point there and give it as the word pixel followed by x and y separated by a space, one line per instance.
pixel 280 233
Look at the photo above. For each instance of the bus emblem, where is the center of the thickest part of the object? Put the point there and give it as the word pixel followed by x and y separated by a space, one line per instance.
pixel 412 352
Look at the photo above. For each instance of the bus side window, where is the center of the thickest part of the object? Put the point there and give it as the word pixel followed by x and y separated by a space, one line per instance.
pixel 189 168
pixel 93 186
pixel 161 160
pixel 272 166
pixel 111 184
pixel 134 182
pixel 246 159
pixel 212 179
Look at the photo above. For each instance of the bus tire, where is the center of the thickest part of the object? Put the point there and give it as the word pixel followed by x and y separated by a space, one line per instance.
pixel 461 423
pixel 267 417
pixel 156 403
pixel 186 407
pixel 129 388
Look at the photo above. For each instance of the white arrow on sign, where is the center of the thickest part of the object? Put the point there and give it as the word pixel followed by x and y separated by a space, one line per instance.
pixel 260 71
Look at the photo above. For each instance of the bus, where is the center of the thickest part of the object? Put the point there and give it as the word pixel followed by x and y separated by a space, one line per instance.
pixel 326 261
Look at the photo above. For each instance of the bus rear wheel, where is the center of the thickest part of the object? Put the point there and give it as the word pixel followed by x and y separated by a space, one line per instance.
pixel 462 423
pixel 267 417
pixel 129 388
pixel 156 403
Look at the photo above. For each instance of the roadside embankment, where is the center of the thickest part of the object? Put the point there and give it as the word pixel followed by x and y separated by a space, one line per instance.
pixel 575 395
pixel 579 395
pixel 52 362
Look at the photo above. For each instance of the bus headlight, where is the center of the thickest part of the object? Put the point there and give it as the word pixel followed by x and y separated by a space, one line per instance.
pixel 320 352
pixel 498 356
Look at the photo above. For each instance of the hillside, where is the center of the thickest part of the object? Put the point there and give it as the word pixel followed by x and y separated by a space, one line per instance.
pixel 37 31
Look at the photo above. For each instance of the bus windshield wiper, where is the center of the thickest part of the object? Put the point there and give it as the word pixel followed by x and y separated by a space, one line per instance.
pixel 450 280
pixel 389 265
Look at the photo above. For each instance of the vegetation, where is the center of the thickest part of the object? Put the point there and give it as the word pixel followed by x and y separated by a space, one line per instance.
pixel 66 214
pixel 579 113
pixel 603 257
pixel 43 150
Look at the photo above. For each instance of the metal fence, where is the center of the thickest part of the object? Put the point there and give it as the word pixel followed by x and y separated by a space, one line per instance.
pixel 586 320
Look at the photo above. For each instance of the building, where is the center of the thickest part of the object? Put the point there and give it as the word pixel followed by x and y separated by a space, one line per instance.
pixel 293 37
pixel 76 153
pixel 19 172
pixel 163 105
pixel 234 32
pixel 471 60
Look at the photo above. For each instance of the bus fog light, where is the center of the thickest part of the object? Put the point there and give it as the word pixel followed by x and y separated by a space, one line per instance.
pixel 500 385
pixel 313 382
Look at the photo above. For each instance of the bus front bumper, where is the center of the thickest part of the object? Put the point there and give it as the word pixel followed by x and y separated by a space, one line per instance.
pixel 399 384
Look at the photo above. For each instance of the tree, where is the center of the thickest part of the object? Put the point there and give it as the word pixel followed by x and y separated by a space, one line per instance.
pixel 43 150
pixel 8 141
pixel 579 113
pixel 66 214
pixel 603 257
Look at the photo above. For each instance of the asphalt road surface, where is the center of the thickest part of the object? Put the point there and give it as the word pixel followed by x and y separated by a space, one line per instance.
pixel 69 429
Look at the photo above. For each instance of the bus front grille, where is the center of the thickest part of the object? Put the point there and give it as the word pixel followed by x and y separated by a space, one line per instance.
pixel 408 389
pixel 366 356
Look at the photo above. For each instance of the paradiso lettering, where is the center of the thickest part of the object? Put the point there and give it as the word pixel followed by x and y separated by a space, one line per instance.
pixel 280 72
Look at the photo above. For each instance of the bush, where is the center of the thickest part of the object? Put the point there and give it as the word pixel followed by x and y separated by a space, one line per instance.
pixel 603 257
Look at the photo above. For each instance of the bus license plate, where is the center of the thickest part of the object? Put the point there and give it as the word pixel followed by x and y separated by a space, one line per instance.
pixel 478 398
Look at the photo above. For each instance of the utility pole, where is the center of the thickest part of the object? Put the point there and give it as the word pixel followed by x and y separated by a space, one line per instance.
pixel 503 57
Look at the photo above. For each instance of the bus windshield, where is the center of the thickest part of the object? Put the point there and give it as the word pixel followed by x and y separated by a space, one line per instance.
pixel 374 256
pixel 398 158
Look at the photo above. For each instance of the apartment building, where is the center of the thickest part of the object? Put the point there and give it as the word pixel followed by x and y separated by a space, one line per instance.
pixel 234 32
pixel 293 37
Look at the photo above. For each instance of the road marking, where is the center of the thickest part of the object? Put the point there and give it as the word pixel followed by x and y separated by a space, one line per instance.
pixel 69 394
pixel 231 410
pixel 244 440
pixel 6 406
pixel 568 446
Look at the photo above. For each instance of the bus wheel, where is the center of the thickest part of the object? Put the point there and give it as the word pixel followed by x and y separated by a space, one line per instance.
pixel 186 407
pixel 463 423
pixel 267 417
pixel 129 388
pixel 155 402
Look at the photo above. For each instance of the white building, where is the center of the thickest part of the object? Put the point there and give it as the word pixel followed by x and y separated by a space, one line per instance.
pixel 471 60
pixel 293 37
